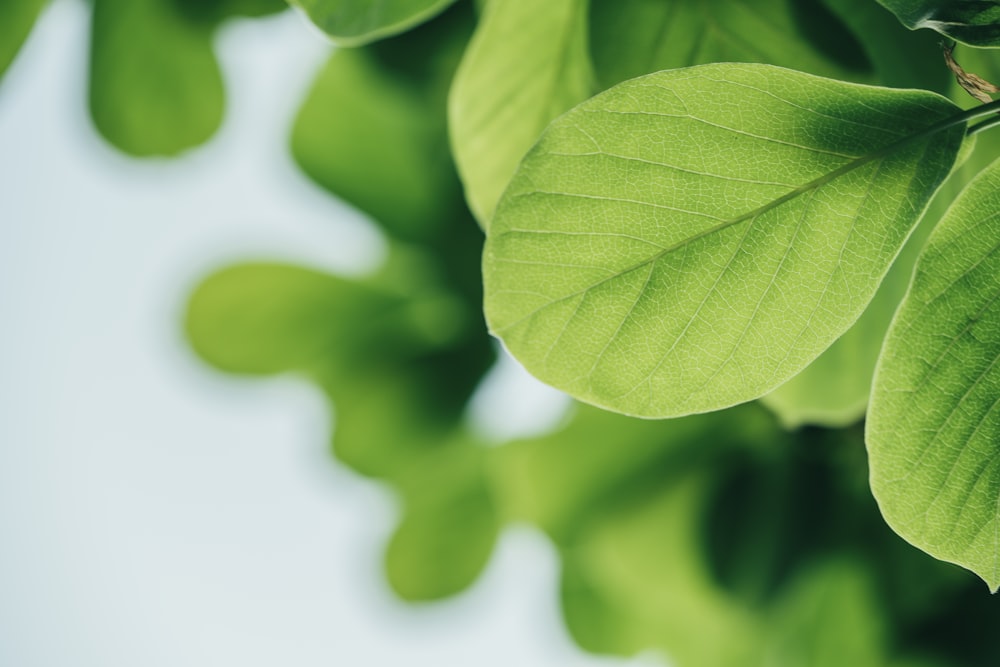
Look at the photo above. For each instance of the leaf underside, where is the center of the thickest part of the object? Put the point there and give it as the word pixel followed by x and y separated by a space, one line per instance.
pixel 692 239
pixel 934 420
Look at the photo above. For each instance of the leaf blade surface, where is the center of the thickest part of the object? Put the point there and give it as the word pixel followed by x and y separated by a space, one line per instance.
pixel 934 418
pixel 358 22
pixel 678 244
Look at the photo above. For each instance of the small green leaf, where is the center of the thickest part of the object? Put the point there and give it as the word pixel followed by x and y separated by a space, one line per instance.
pixel 526 64
pixel 833 390
pixel 155 87
pixel 975 22
pixel 934 421
pixel 692 239
pixel 17 17
pixel 358 22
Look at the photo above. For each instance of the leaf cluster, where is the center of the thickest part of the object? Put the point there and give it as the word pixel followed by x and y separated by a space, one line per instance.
pixel 711 233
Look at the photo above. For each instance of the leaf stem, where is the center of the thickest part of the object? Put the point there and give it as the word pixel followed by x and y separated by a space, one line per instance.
pixel 985 125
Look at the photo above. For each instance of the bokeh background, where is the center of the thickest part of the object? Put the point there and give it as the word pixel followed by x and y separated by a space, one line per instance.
pixel 153 512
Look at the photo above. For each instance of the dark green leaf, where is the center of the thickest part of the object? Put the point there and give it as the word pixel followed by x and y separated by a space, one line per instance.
pixel 975 22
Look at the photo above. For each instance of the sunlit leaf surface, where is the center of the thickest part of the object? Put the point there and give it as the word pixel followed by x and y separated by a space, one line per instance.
pixel 155 86
pixel 934 422
pixel 692 239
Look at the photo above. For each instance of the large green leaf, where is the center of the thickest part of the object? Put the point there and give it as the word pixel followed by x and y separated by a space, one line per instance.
pixel 694 238
pixel 16 20
pixel 630 38
pixel 357 22
pixel 934 421
pixel 975 22
pixel 155 87
pixel 833 390
pixel 526 64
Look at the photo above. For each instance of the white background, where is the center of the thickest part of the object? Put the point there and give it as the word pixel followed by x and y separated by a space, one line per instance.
pixel 152 512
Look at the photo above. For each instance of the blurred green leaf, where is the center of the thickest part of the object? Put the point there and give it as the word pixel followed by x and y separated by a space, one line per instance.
pixel 358 22
pixel 373 128
pixel 17 17
pixel 155 87
pixel 526 64
pixel 830 617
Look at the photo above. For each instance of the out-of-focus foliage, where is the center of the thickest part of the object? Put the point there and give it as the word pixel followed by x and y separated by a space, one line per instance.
pixel 722 540
pixel 359 22
pixel 17 17
pixel 155 85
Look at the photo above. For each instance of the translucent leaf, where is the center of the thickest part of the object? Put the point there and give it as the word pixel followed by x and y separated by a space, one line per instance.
pixel 357 22
pixel 692 239
pixel 526 64
pixel 155 87
pixel 17 17
pixel 975 22
pixel 934 422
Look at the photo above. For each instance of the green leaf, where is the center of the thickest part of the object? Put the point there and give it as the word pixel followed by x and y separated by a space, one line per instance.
pixel 155 87
pixel 975 22
pixel 833 390
pixel 373 128
pixel 692 239
pixel 526 64
pixel 17 17
pixel 630 38
pixel 934 421
pixel 358 22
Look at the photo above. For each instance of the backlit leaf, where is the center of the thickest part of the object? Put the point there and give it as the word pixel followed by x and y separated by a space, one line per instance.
pixel 934 421
pixel 975 22
pixel 357 22
pixel 694 238
pixel 526 64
